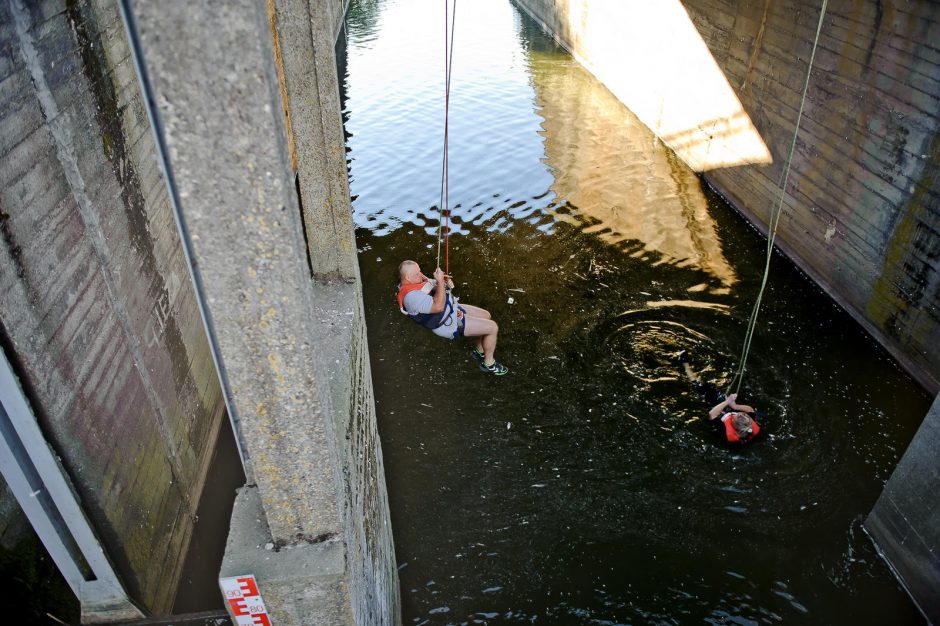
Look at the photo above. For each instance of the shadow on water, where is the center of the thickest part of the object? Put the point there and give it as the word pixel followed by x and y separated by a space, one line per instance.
pixel 585 487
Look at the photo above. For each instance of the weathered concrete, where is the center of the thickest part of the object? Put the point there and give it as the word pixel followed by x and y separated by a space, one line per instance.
pixel 304 31
pixel 226 147
pixel 905 522
pixel 98 314
pixel 862 211
pixel 287 315
pixel 302 583
pixel 651 58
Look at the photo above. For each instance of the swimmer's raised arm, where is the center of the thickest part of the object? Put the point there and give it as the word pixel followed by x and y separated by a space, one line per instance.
pixel 729 403
pixel 719 408
pixel 733 403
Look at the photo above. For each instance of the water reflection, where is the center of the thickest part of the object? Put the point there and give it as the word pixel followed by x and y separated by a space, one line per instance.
pixel 620 180
pixel 653 58
pixel 400 83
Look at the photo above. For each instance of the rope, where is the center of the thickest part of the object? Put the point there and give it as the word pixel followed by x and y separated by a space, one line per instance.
pixel 443 205
pixel 775 214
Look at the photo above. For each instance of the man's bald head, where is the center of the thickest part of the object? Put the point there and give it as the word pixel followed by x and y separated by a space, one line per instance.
pixel 408 271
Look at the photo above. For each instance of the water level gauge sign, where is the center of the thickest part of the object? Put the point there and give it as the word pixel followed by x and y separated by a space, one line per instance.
pixel 243 601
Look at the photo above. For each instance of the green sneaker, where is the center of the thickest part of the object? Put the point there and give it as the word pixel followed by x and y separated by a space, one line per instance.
pixel 497 369
pixel 479 356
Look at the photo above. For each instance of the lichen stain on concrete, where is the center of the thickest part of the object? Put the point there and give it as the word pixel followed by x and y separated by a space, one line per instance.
pixel 264 322
pixel 260 190
pixel 277 367
pixel 900 287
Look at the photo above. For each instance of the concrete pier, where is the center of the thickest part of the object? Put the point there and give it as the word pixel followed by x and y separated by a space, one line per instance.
pixel 279 278
pixel 905 522
pixel 98 317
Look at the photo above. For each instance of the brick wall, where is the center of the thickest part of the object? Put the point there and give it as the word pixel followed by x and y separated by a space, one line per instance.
pixel 98 313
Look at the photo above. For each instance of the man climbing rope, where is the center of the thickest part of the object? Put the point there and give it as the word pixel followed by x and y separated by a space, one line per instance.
pixel 737 423
pixel 430 303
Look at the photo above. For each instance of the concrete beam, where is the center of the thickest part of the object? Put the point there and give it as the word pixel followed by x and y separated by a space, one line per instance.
pixel 287 316
pixel 305 36
pixel 300 584
pixel 905 522
pixel 211 77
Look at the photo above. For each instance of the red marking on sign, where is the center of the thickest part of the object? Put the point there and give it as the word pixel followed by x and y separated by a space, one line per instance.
pixel 238 606
pixel 248 587
pixel 245 605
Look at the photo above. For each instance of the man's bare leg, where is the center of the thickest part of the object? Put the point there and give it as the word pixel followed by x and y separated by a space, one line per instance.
pixel 477 312
pixel 485 331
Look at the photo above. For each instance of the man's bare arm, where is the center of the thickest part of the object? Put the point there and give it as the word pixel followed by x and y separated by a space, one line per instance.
pixel 745 408
pixel 729 402
pixel 718 409
pixel 440 293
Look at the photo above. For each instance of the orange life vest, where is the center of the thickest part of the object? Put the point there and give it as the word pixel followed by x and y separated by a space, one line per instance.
pixel 732 434
pixel 428 320
pixel 404 290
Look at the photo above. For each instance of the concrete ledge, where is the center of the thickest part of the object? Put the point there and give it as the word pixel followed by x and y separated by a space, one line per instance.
pixel 301 584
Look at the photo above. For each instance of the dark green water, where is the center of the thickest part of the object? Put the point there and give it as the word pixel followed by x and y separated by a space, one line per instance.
pixel 584 487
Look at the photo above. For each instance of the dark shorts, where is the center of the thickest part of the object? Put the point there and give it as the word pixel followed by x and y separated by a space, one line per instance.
pixel 461 321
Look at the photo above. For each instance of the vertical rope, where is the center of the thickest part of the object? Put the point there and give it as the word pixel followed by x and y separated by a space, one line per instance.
pixel 775 214
pixel 443 226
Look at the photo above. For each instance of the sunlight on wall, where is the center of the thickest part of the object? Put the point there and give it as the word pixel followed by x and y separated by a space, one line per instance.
pixel 650 55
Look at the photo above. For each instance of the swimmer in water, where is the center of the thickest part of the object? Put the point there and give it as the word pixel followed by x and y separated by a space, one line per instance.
pixel 734 422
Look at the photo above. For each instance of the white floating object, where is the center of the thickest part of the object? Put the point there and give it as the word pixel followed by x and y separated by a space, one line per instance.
pixel 511 300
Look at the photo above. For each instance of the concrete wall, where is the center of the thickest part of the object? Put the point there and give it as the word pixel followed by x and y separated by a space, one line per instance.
pixel 905 522
pixel 862 212
pixel 281 282
pixel 862 209
pixel 98 313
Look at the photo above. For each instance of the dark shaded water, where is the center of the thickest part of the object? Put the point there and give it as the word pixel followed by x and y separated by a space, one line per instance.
pixel 584 487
